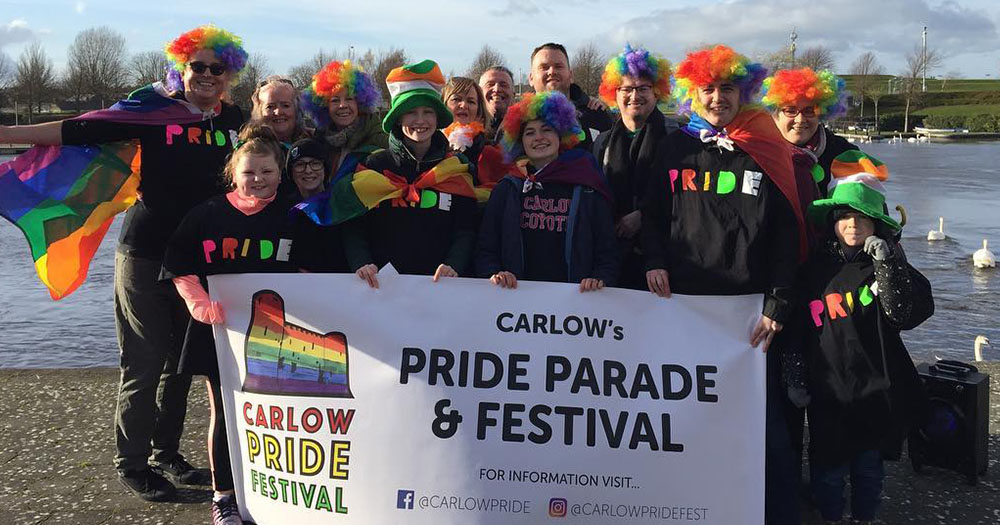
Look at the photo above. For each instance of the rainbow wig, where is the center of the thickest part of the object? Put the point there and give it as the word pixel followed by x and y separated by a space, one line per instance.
pixel 703 67
pixel 332 79
pixel 228 49
pixel 791 87
pixel 553 108
pixel 636 63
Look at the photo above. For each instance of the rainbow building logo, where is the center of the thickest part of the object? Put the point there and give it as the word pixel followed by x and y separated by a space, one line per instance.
pixel 283 358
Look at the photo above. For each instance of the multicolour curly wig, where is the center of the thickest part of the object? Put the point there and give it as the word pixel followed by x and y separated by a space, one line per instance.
pixel 228 50
pixel 703 67
pixel 332 79
pixel 553 108
pixel 792 87
pixel 636 63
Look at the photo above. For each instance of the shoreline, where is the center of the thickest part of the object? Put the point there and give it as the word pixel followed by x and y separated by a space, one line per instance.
pixel 57 441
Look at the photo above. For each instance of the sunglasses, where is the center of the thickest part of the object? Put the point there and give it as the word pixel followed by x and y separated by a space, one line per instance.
pixel 215 69
pixel 792 111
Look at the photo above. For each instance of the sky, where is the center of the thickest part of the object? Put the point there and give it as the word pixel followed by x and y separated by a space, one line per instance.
pixel 288 33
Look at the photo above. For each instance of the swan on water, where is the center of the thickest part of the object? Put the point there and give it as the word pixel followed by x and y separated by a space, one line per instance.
pixel 938 234
pixel 984 258
pixel 981 341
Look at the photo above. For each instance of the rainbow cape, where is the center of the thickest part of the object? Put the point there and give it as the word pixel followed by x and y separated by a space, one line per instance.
pixel 64 198
pixel 353 196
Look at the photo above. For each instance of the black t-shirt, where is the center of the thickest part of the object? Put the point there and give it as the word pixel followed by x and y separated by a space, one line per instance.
pixel 181 168
pixel 544 221
pixel 216 238
pixel 317 248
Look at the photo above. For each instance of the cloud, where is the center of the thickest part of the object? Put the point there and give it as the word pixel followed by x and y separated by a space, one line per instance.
pixel 890 28
pixel 517 7
pixel 80 7
pixel 14 32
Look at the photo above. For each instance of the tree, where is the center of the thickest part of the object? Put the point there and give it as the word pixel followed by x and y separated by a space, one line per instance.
pixel 302 74
pixel 379 64
pixel 147 67
pixel 255 70
pixel 96 59
pixel 587 65
pixel 7 69
pixel 487 58
pixel 951 75
pixel 35 78
pixel 875 92
pixel 865 70
pixel 918 63
pixel 780 59
pixel 816 58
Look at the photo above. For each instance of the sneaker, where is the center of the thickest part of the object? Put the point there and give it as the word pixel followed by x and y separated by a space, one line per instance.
pixel 182 472
pixel 147 484
pixel 226 512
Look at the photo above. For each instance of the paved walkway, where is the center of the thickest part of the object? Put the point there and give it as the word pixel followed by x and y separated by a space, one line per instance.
pixel 56 445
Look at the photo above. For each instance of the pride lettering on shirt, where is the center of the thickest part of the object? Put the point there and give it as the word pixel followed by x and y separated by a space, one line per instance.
pixel 544 214
pixel 722 183
pixel 177 134
pixel 233 248
pixel 833 304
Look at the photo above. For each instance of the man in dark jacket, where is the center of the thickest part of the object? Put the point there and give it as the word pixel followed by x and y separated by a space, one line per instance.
pixel 497 83
pixel 550 71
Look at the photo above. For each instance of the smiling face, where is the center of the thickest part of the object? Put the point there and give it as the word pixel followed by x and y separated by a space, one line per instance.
pixel 635 98
pixel 550 71
pixel 853 228
pixel 256 175
pixel 721 100
pixel 343 109
pixel 497 89
pixel 797 123
pixel 277 102
pixel 540 142
pixel 307 174
pixel 204 89
pixel 464 106
pixel 419 124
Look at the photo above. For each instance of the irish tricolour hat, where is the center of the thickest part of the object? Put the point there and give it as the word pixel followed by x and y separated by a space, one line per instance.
pixel 412 86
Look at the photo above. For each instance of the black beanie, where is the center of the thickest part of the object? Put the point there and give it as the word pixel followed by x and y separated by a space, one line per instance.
pixel 308 147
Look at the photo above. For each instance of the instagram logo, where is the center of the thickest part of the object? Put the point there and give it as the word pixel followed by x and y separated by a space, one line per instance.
pixel 557 507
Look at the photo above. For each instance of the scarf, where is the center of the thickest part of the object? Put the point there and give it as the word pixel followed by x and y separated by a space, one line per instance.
pixel 754 132
pixel 461 136
pixel 353 196
pixel 64 198
pixel 630 161
pixel 574 166
pixel 248 204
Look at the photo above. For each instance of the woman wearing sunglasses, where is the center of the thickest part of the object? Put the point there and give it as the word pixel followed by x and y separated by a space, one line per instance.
pixel 341 100
pixel 185 134
pixel 801 100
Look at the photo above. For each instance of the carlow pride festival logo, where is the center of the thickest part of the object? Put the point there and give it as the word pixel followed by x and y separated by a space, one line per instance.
pixel 284 358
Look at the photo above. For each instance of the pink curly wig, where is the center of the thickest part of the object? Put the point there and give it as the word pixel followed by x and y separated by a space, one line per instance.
pixel 703 67
pixel 792 87
pixel 332 79
pixel 636 63
pixel 228 49
pixel 553 108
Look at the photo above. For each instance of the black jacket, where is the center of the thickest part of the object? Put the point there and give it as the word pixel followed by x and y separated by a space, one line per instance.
pixel 590 119
pixel 834 145
pixel 732 234
pixel 415 239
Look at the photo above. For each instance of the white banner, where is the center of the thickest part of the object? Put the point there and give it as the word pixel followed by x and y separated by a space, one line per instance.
pixel 461 402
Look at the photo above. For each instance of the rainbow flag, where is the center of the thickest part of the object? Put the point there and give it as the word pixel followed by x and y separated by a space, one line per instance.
pixel 64 198
pixel 351 197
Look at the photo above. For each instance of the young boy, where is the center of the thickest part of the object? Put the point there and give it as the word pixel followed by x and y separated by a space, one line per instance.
pixel 855 294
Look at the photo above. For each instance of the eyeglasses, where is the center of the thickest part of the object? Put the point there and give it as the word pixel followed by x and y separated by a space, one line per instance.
pixel 639 90
pixel 300 167
pixel 274 78
pixel 215 69
pixel 792 111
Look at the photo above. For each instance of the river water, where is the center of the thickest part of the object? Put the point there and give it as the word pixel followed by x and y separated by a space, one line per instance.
pixel 957 181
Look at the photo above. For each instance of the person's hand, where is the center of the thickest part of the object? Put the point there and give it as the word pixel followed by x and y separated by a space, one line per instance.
pixel 877 248
pixel 444 270
pixel 595 104
pixel 764 332
pixel 590 284
pixel 629 224
pixel 658 282
pixel 504 279
pixel 369 273
pixel 208 312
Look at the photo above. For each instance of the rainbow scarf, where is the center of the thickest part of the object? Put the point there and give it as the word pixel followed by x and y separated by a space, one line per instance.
pixel 754 132
pixel 352 197
pixel 64 198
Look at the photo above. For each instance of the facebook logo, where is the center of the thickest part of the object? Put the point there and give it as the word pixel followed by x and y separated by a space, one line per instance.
pixel 404 499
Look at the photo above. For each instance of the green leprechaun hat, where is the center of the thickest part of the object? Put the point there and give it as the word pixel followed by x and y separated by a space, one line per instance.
pixel 412 86
pixel 861 190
